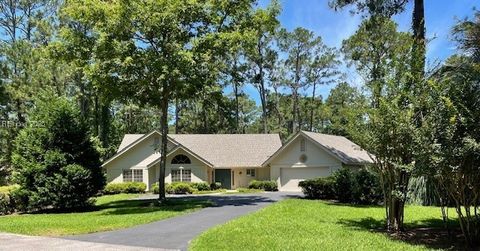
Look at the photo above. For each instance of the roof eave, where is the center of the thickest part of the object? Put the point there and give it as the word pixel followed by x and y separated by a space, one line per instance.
pixel 129 146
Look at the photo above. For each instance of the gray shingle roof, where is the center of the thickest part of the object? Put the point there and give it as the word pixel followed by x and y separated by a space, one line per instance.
pixel 347 151
pixel 231 150
pixel 128 139
pixel 224 150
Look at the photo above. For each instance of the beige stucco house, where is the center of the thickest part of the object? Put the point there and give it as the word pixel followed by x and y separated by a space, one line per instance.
pixel 233 159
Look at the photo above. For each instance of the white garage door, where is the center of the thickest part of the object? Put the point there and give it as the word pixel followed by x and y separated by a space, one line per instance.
pixel 290 177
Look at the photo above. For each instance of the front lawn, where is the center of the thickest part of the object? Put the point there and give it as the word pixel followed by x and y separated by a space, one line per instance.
pixel 298 224
pixel 111 212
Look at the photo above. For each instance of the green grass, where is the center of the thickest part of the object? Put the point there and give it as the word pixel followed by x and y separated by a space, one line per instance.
pixel 298 224
pixel 248 190
pixel 111 212
pixel 210 191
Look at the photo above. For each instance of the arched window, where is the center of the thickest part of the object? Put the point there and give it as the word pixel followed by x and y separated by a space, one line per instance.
pixel 181 159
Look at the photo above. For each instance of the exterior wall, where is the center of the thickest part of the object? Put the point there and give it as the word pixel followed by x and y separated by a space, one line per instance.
pixel 134 156
pixel 263 173
pixel 290 158
pixel 199 169
pixel 130 159
pixel 153 173
pixel 240 178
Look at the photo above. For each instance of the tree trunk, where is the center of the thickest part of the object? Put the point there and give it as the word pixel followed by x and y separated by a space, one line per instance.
pixel 262 90
pixel 295 88
pixel 237 108
pixel 177 116
pixel 419 50
pixel 163 152
pixel 295 109
pixel 312 108
pixel 104 124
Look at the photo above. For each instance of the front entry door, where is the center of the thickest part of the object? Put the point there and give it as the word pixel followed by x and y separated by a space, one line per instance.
pixel 224 176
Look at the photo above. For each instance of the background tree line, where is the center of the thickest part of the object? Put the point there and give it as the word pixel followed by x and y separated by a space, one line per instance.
pixel 130 68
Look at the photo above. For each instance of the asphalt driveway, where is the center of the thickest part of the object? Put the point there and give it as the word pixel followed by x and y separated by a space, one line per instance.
pixel 177 232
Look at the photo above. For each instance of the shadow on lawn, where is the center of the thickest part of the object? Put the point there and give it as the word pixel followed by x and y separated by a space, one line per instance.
pixel 151 205
pixel 134 206
pixel 429 233
pixel 179 204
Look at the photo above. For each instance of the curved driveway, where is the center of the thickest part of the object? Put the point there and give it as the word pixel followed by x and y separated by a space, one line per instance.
pixel 177 232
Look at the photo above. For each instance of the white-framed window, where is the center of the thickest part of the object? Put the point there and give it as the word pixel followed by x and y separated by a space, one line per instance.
pixel 130 175
pixel 181 159
pixel 251 172
pixel 181 175
pixel 137 175
pixel 302 145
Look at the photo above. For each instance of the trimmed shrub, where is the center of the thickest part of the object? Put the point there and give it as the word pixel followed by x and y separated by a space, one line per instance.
pixel 126 187
pixel 215 186
pixel 19 198
pixel 155 188
pixel 367 188
pixel 319 188
pixel 267 185
pixel 361 187
pixel 344 185
pixel 179 188
pixel 6 205
pixel 200 186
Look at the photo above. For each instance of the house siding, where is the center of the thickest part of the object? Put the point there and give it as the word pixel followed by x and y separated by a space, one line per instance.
pixel 130 159
pixel 198 168
pixel 134 156
pixel 290 158
pixel 241 179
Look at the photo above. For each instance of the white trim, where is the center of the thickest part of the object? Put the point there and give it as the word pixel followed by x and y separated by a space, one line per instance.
pixel 325 149
pixel 134 143
pixel 275 154
pixel 187 151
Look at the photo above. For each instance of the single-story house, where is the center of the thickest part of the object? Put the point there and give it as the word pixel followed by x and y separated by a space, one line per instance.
pixel 233 159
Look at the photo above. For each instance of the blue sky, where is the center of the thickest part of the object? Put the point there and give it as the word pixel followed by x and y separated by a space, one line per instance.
pixel 335 26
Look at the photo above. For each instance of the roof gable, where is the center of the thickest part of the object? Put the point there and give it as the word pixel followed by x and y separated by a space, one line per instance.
pixel 338 147
pixel 341 147
pixel 129 141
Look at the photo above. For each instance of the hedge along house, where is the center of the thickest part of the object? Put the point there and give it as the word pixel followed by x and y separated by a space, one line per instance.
pixel 233 159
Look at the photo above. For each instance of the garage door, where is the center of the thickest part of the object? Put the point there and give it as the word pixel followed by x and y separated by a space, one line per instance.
pixel 290 177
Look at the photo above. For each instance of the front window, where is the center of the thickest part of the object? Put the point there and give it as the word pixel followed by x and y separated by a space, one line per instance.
pixel 251 172
pixel 181 175
pixel 138 175
pixel 135 175
pixel 181 159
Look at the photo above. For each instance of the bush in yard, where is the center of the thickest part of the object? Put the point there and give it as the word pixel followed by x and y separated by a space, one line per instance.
pixel 155 188
pixel 19 199
pixel 344 185
pixel 367 188
pixel 267 185
pixel 215 186
pixel 179 188
pixel 54 161
pixel 318 188
pixel 6 205
pixel 200 186
pixel 7 189
pixel 126 187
